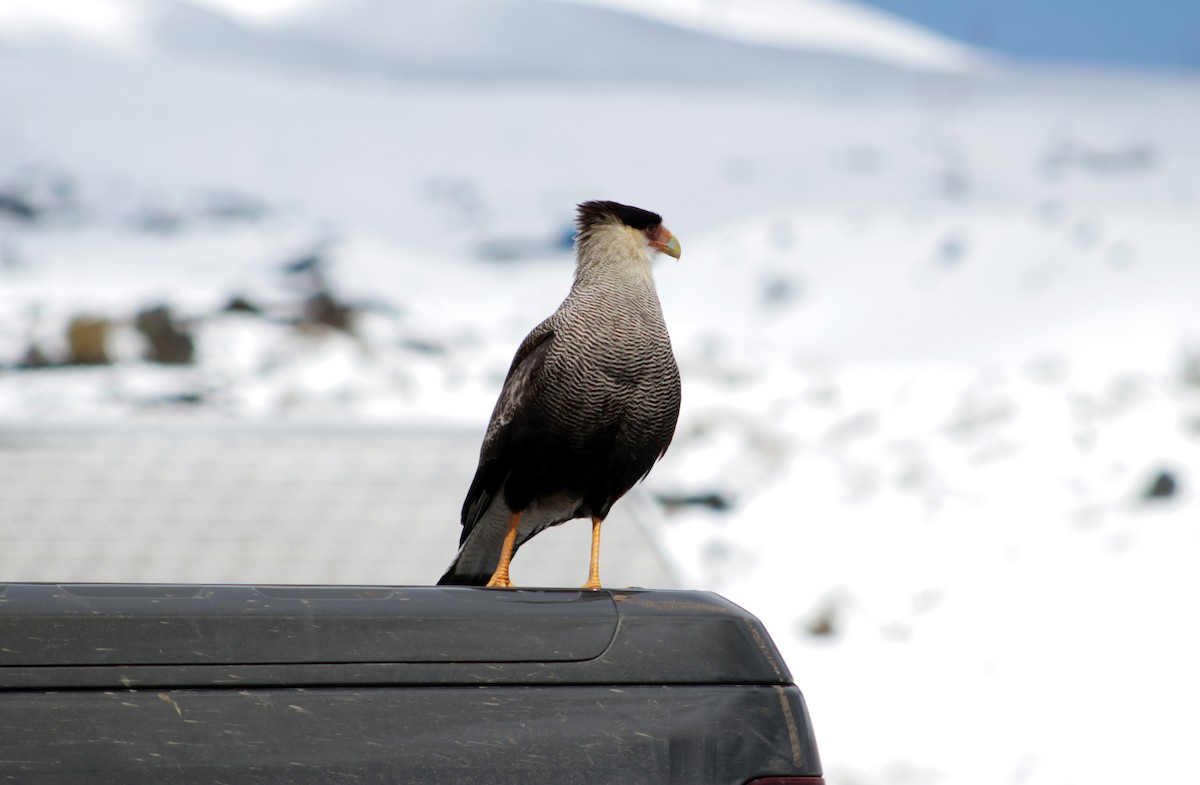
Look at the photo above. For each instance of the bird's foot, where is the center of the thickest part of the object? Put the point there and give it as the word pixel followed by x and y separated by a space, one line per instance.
pixel 593 581
pixel 500 576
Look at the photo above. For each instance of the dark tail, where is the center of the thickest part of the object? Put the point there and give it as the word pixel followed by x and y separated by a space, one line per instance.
pixel 479 550
pixel 454 576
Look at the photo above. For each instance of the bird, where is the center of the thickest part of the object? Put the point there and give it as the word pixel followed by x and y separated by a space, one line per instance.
pixel 588 406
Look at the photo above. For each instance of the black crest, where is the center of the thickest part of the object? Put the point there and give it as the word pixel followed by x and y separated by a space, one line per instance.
pixel 593 214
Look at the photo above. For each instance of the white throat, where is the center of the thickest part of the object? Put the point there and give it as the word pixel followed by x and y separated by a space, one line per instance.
pixel 615 251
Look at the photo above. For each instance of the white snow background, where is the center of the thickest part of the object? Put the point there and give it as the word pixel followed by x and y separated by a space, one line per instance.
pixel 937 316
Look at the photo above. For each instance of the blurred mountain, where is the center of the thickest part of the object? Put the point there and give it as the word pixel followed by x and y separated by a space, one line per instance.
pixel 766 42
pixel 846 27
pixel 557 40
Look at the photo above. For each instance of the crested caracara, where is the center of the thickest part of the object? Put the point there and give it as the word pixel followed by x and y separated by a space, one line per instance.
pixel 589 404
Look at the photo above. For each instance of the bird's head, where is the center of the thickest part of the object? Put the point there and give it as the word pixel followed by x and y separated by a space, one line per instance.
pixel 601 220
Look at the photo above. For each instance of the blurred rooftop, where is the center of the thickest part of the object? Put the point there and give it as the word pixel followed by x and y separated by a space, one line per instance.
pixel 235 503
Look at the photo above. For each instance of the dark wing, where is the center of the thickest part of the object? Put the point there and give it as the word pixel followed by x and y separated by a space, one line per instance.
pixel 672 400
pixel 495 460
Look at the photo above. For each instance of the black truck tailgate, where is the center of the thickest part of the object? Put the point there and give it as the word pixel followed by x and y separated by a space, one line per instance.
pixel 191 683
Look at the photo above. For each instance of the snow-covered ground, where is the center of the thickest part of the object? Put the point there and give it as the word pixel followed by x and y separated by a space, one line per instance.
pixel 938 330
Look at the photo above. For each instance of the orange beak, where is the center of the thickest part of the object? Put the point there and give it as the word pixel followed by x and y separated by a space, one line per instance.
pixel 665 242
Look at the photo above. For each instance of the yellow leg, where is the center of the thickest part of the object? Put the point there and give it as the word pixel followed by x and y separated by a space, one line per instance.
pixel 500 576
pixel 593 581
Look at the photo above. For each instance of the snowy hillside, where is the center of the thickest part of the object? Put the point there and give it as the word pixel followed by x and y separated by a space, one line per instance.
pixel 848 28
pixel 765 42
pixel 938 333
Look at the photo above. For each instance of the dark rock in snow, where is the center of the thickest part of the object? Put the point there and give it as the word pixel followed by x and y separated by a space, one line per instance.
pixel 825 623
pixel 16 206
pixel 34 357
pixel 713 501
pixel 423 346
pixel 233 206
pixel 307 273
pixel 168 342
pixel 87 341
pixel 239 304
pixel 185 398
pixel 306 263
pixel 324 308
pixel 1164 486
pixel 1189 368
pixel 779 290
